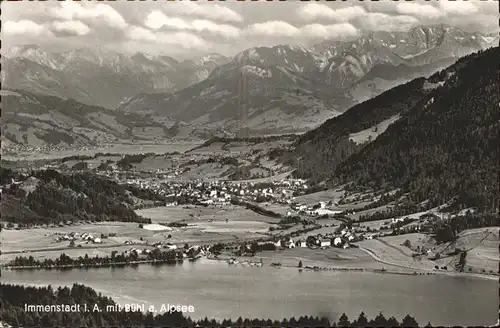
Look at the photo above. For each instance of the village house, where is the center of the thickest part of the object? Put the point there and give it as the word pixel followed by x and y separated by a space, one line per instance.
pixel 325 242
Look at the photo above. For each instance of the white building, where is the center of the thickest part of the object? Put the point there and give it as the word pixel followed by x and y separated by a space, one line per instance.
pixel 325 242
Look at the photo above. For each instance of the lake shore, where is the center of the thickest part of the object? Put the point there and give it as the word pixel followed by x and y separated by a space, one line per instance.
pixel 210 286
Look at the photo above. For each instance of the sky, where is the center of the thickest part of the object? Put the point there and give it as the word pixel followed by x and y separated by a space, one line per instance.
pixel 187 29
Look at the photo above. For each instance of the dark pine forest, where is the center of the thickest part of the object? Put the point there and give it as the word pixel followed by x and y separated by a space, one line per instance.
pixel 443 147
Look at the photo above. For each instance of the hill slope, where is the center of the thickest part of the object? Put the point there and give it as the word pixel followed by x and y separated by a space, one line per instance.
pixel 442 143
pixel 37 120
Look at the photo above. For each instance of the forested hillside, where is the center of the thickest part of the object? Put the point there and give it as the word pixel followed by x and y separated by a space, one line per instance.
pixel 444 144
pixel 48 197
pixel 319 151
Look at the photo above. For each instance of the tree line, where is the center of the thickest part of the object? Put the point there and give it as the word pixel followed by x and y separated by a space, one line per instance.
pixel 156 255
pixel 14 297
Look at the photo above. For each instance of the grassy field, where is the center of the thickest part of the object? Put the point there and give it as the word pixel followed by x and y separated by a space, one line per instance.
pixel 74 253
pixel 239 147
pixel 205 225
pixel 390 250
pixel 482 245
pixel 321 196
pixel 351 258
pixel 192 213
pixel 209 223
pixel 115 149
pixel 45 238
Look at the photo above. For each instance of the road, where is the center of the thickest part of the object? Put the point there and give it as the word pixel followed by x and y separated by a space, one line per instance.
pixel 486 257
pixel 448 273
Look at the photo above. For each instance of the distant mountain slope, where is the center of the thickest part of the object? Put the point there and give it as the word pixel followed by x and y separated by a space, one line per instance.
pixel 284 89
pixel 262 90
pixel 443 142
pixel 383 77
pixel 98 76
pixel 40 120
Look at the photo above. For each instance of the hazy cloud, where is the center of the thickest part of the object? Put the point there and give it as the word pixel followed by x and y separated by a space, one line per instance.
pixel 157 19
pixel 334 31
pixel 419 10
pixel 385 22
pixel 459 7
pixel 182 39
pixel 179 27
pixel 22 27
pixel 284 29
pixel 314 11
pixel 209 11
pixel 69 10
pixel 72 27
pixel 273 28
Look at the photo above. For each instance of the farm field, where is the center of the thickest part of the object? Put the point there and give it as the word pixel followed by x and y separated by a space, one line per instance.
pixel 114 149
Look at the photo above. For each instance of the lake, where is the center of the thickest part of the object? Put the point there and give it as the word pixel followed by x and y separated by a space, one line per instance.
pixel 218 290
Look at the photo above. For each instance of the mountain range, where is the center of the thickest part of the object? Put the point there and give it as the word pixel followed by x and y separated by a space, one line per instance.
pixel 262 90
pixel 98 76
pixel 293 89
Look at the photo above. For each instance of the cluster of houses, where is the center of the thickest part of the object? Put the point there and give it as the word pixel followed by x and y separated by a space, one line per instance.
pixel 340 240
pixel 86 237
pixel 191 252
pixel 321 208
pixel 220 192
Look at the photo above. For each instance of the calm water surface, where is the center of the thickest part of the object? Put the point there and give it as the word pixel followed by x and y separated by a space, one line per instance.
pixel 217 290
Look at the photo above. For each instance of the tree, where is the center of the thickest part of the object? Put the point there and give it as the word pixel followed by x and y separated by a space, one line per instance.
pixel 300 264
pixel 362 321
pixel 344 321
pixel 409 321
pixel 380 321
pixel 392 322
